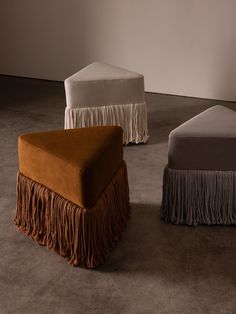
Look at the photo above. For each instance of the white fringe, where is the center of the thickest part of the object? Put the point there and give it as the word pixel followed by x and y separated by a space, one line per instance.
pixel 195 197
pixel 131 117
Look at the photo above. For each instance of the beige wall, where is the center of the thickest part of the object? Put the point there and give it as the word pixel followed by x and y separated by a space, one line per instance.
pixel 185 47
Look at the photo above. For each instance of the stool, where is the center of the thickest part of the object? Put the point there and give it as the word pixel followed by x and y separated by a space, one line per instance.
pixel 72 191
pixel 199 184
pixel 102 94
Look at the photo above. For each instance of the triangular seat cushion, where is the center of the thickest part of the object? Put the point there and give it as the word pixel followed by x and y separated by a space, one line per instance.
pixel 102 71
pixel 206 142
pixel 101 84
pixel 76 163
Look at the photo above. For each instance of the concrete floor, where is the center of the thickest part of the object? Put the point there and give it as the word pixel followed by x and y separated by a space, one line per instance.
pixel 156 268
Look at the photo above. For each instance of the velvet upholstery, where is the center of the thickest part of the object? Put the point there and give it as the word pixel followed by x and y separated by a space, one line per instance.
pixel 101 84
pixel 199 182
pixel 103 94
pixel 77 163
pixel 205 142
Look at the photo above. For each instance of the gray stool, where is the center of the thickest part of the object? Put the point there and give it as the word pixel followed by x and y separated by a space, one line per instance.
pixel 199 184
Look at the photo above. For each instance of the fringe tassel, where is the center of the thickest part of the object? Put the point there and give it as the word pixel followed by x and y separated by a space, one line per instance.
pixel 131 117
pixel 85 236
pixel 195 197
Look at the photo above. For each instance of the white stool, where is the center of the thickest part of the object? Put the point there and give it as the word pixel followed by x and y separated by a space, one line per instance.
pixel 102 94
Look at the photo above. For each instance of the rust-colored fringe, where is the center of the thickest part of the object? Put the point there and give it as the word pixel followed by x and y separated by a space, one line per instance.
pixel 85 236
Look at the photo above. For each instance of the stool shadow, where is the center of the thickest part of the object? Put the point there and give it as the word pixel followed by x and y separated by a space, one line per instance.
pixel 172 252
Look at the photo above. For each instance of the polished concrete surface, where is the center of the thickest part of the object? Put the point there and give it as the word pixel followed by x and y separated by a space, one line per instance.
pixel 155 268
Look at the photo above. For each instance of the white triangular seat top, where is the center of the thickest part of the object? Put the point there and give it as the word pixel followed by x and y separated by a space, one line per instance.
pixel 102 71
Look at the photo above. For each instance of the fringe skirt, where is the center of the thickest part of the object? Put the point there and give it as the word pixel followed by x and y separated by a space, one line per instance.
pixel 84 236
pixel 131 117
pixel 195 197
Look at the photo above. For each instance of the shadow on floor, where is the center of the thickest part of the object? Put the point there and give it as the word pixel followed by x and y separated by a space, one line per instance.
pixel 172 252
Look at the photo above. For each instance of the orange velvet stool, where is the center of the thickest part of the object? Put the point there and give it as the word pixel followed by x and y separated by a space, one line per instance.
pixel 72 191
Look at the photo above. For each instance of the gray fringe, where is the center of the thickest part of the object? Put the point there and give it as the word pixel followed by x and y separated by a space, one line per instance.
pixel 195 197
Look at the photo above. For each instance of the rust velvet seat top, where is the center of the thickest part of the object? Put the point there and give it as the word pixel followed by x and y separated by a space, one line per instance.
pixel 76 163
